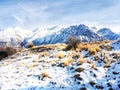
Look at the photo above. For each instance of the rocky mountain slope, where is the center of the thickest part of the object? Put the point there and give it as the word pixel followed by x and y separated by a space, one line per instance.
pixel 80 31
pixel 108 34
pixel 18 37
pixel 92 66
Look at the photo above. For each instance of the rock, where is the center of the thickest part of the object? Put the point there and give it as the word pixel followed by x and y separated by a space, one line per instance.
pixel 99 87
pixel 115 73
pixel 77 76
pixel 83 88
pixel 92 83
pixel 79 69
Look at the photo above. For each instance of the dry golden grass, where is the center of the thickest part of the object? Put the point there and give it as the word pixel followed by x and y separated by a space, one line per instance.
pixel 61 54
pixel 32 65
pixel 68 61
pixel 53 63
pixel 45 53
pixel 82 46
pixel 60 46
pixel 81 60
pixel 92 47
pixel 93 65
pixel 92 51
pixel 89 61
pixel 45 74
pixel 43 48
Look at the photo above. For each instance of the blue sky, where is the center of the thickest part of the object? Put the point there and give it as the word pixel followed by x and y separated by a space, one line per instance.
pixel 31 14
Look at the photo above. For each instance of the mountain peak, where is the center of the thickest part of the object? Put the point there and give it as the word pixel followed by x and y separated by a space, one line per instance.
pixel 108 34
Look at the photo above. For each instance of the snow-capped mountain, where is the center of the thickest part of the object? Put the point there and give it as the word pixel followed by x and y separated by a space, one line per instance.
pixel 61 35
pixel 12 37
pixel 20 37
pixel 39 33
pixel 108 34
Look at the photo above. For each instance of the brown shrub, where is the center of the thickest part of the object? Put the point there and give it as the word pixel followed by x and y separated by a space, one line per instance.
pixel 29 45
pixel 73 42
pixel 6 51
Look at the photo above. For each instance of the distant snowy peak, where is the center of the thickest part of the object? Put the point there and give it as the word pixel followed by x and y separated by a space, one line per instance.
pixel 40 33
pixel 13 37
pixel 60 35
pixel 108 34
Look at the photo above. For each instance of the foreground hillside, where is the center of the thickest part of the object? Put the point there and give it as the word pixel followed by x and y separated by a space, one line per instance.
pixel 89 66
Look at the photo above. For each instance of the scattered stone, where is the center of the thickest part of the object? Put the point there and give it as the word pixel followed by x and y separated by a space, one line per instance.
pixel 83 88
pixel 79 69
pixel 99 87
pixel 110 89
pixel 115 73
pixel 92 83
pixel 77 76
pixel 94 75
pixel 109 85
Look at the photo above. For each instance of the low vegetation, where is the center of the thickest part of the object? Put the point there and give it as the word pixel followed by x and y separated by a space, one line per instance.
pixel 6 51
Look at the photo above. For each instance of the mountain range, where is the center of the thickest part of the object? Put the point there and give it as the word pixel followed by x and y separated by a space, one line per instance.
pixel 39 36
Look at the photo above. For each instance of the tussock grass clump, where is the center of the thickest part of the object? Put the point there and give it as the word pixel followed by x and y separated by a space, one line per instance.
pixel 60 46
pixel 93 65
pixel 45 53
pixel 83 46
pixel 89 61
pixel 106 59
pixel 61 54
pixel 81 60
pixel 45 75
pixel 92 47
pixel 67 61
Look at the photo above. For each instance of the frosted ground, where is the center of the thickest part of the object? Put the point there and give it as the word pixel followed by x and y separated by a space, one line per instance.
pixel 47 70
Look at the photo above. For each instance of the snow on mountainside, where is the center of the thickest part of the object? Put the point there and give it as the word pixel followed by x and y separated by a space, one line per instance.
pixel 39 33
pixel 108 34
pixel 116 44
pixel 50 67
pixel 12 37
pixel 61 35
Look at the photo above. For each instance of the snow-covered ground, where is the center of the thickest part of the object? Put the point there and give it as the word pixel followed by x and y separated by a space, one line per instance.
pixel 55 69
